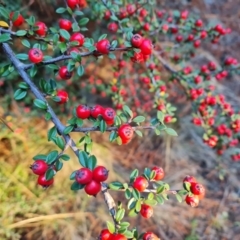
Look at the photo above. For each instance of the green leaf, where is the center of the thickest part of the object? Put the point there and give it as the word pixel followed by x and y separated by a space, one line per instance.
pixel 23 85
pixel 115 185
pixel 133 175
pixel 60 142
pixel 136 193
pixel 103 36
pixel 4 12
pixel 138 205
pixel 50 173
pixel 110 227
pixel 22 56
pixel 40 157
pixel 65 34
pixel 61 10
pixel 113 135
pixel 132 213
pixel 20 94
pixel 160 116
pixel 68 129
pixel 92 162
pixel 51 157
pixel 5 37
pixel 58 165
pixel 132 203
pixel 160 189
pixel 77 186
pixel 128 194
pixel 128 111
pixel 65 157
pixel 114 44
pixel 72 176
pixel 52 133
pixel 151 196
pixel 178 197
pixel 21 33
pixel 139 133
pixel 102 126
pixel 83 158
pixel 26 43
pixel 80 70
pixel 78 13
pixel 111 55
pixel 187 186
pixel 40 104
pixel 120 214
pixel 83 21
pixel 160 199
pixel 151 202
pixel 171 132
pixel 139 119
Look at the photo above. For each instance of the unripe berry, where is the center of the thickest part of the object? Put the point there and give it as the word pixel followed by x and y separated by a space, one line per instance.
pixel 39 167
pixel 96 111
pixel 140 183
pixel 100 174
pixel 146 211
pixel 159 173
pixel 42 29
pixel 103 46
pixel 84 175
pixel 125 132
pixel 192 200
pixel 83 112
pixel 63 95
pixel 146 47
pixel 43 182
pixel 35 55
pixel 18 21
pixel 136 40
pixel 77 37
pixel 93 188
pixel 105 235
pixel 65 24
pixel 64 73
pixel 150 236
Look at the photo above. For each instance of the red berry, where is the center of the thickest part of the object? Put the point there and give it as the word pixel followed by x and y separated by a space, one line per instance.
pixel 197 189
pixel 108 114
pixel 64 73
pixel 150 236
pixel 140 183
pixel 35 55
pixel 146 47
pixel 96 111
pixel 199 23
pixel 84 175
pixel 179 38
pixel 65 24
pixel 39 167
pixel 113 27
pixel 118 236
pixel 107 15
pixel 146 211
pixel 189 179
pixel 93 188
pixel 159 173
pixel 103 46
pixel 138 57
pixel 136 40
pixel 167 119
pixel 42 29
pixel 63 95
pixel 43 182
pixel 192 200
pixel 83 111
pixel 184 14
pixel 105 235
pixel 72 3
pixel 18 21
pixel 77 37
pixel 100 174
pixel 131 9
pixel 146 27
pixel 125 132
pixel 143 13
pixel 197 43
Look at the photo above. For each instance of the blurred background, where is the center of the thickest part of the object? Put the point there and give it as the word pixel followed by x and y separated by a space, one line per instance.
pixel 29 212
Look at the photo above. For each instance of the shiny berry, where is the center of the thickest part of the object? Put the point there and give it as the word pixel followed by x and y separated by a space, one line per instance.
pixel 159 173
pixel 42 29
pixel 150 236
pixel 192 200
pixel 72 3
pixel 131 9
pixel 125 132
pixel 146 47
pixel 39 167
pixel 83 111
pixel 64 73
pixel 136 40
pixel 43 182
pixel 100 174
pixel 118 237
pixel 168 119
pixel 65 24
pixel 93 188
pixel 146 211
pixel 96 111
pixel 77 37
pixel 84 175
pixel 140 183
pixel 197 43
pixel 199 23
pixel 18 21
pixel 35 55
pixel 197 188
pixel 63 95
pixel 143 13
pixel 103 46
pixel 113 27
pixel 105 235
pixel 108 114
pixel 189 179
